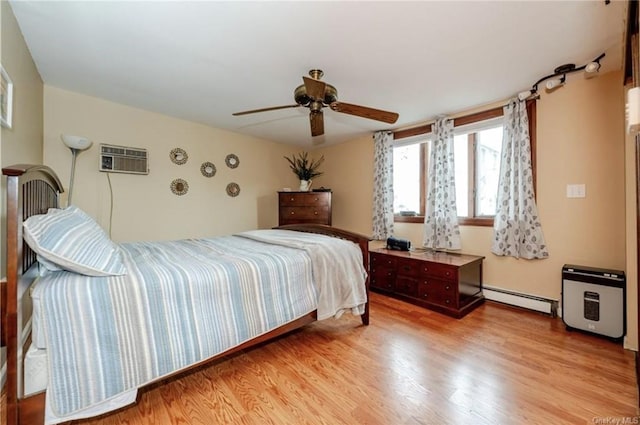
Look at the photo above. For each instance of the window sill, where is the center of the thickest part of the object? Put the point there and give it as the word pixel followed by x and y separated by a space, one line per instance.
pixel 462 221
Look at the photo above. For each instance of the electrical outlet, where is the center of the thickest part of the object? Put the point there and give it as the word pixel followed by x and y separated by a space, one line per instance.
pixel 576 191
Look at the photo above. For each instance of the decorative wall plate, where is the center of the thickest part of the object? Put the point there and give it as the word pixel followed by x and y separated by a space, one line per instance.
pixel 208 169
pixel 179 187
pixel 232 161
pixel 233 189
pixel 178 156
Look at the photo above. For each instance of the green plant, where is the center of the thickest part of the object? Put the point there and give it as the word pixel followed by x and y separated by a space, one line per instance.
pixel 303 167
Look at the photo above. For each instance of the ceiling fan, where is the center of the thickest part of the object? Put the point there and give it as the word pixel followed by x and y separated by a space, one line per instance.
pixel 315 95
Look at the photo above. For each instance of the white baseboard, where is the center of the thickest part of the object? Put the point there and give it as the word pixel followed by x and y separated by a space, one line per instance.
pixel 519 299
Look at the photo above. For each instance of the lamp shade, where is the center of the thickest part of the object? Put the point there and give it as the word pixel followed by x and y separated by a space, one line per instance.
pixel 76 142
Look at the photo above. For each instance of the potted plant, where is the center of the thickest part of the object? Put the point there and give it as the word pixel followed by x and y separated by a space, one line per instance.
pixel 305 169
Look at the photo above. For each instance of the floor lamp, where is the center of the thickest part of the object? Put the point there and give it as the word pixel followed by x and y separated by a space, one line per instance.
pixel 76 144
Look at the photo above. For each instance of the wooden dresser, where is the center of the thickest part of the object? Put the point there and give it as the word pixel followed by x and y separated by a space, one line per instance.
pixel 304 207
pixel 447 283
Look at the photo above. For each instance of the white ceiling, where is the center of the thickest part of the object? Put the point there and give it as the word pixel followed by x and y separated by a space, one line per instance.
pixel 202 61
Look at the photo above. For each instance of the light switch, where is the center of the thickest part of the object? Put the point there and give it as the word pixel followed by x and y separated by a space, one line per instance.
pixel 576 190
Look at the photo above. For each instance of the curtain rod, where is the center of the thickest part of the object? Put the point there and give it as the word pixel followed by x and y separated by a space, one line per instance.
pixel 487 114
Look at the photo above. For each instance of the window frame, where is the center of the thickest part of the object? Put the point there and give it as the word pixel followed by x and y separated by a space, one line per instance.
pixel 464 120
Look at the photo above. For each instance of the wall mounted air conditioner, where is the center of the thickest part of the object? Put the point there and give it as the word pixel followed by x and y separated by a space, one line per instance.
pixel 122 159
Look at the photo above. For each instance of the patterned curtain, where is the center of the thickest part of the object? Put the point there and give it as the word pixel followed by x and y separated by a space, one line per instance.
pixel 382 185
pixel 517 231
pixel 441 216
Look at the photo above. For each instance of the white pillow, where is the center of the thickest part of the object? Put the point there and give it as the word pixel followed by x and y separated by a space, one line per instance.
pixel 72 240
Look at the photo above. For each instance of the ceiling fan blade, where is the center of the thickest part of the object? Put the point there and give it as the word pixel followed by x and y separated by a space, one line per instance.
pixel 317 123
pixel 315 88
pixel 365 112
pixel 272 108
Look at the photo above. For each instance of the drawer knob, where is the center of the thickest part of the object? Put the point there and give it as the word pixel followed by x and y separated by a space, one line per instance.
pixel 317 199
pixel 292 212
pixel 447 287
pixel 447 301
pixel 448 273
pixel 315 213
pixel 293 199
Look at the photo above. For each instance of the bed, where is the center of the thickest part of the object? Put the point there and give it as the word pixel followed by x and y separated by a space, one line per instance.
pixel 95 336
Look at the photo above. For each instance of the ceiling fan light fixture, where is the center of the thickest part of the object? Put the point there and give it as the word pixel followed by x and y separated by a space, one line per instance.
pixel 316 95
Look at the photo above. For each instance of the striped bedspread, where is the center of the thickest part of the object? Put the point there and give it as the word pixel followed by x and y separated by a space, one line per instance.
pixel 182 302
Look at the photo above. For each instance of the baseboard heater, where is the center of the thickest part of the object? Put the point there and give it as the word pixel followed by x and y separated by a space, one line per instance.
pixel 519 299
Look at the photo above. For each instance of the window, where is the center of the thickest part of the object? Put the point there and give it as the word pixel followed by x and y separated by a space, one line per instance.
pixel 477 158
pixel 477 150
pixel 408 179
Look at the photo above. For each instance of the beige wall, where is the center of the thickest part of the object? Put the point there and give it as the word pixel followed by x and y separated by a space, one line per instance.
pixel 143 206
pixel 580 140
pixel 23 142
pixel 631 240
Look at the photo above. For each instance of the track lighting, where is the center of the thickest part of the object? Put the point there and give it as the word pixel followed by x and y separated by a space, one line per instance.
pixel 559 76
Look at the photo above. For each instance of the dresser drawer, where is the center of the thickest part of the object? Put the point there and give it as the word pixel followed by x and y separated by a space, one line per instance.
pixel 320 213
pixel 382 260
pixel 441 271
pixel 382 271
pixel 408 267
pixel 407 286
pixel 438 292
pixel 305 199
pixel 383 277
pixel 384 281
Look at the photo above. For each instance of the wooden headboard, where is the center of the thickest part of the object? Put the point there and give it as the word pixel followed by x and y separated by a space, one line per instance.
pixel 31 190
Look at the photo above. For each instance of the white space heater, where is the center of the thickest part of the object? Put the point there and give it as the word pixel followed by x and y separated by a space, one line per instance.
pixel 122 159
pixel 593 300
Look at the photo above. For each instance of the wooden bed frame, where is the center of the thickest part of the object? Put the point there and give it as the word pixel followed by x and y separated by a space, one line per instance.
pixel 33 189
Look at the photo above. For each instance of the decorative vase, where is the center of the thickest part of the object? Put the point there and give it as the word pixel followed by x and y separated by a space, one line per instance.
pixel 305 185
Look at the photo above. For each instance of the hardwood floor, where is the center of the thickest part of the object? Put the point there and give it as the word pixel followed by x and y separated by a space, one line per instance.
pixel 498 365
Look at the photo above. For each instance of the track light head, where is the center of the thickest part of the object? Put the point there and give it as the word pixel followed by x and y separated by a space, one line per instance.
pixel 555 83
pixel 525 94
pixel 592 67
